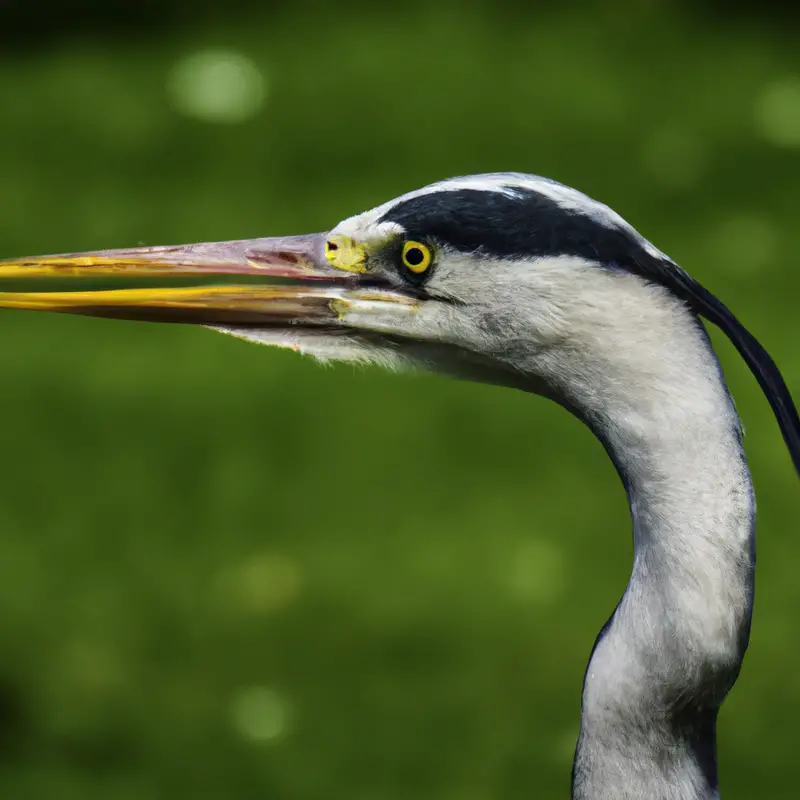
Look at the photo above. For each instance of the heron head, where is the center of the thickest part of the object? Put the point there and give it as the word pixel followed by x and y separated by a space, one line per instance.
pixel 485 276
pixel 505 278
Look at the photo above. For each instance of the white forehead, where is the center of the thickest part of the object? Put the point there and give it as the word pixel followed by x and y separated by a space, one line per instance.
pixel 367 225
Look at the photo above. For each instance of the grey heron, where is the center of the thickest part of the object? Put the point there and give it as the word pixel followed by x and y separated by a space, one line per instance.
pixel 523 282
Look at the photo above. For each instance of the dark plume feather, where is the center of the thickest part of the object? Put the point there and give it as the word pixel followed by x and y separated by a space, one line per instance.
pixel 756 357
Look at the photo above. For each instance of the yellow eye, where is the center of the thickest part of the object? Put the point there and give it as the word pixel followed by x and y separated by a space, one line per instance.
pixel 417 256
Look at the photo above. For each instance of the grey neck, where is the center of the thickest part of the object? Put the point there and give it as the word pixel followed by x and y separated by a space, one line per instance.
pixel 673 648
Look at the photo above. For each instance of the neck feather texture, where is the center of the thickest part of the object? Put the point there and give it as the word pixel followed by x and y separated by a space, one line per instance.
pixel 655 395
pixel 673 648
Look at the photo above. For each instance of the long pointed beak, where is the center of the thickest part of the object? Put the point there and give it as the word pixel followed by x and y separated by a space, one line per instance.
pixel 310 290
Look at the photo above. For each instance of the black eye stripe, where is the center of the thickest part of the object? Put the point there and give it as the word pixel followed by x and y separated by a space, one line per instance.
pixel 522 223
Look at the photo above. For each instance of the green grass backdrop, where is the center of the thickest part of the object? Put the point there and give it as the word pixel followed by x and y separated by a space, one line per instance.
pixel 226 572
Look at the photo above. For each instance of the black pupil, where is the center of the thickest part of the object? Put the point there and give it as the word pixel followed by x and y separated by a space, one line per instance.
pixel 415 256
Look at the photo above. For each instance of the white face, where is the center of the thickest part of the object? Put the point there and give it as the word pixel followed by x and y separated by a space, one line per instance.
pixel 491 282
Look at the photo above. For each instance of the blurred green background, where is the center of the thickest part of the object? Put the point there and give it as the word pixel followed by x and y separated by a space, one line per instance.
pixel 228 573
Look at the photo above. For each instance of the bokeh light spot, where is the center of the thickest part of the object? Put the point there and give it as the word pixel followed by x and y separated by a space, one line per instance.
pixel 744 243
pixel 259 714
pixel 778 112
pixel 537 572
pixel 217 86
